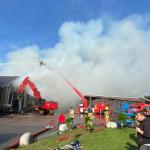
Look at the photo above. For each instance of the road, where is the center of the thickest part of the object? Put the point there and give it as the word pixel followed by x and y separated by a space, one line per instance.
pixel 12 127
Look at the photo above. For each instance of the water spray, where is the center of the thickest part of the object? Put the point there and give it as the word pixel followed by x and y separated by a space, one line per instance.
pixel 85 103
pixel 34 63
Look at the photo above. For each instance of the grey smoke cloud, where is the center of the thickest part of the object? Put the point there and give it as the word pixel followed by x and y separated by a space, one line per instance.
pixel 100 57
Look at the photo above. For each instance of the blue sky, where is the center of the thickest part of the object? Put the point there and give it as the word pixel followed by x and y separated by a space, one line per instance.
pixel 96 37
pixel 27 22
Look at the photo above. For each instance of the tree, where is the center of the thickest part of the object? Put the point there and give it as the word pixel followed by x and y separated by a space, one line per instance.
pixel 147 97
pixel 122 118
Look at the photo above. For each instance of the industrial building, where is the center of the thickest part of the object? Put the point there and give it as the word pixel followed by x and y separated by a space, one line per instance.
pixel 115 103
pixel 9 98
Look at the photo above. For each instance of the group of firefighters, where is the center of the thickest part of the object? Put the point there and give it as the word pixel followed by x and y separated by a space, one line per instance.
pixel 88 119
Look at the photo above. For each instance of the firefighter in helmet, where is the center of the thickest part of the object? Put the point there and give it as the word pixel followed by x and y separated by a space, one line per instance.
pixel 107 114
pixel 89 119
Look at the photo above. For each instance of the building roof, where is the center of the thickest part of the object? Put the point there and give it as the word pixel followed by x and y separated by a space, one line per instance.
pixel 119 98
pixel 5 80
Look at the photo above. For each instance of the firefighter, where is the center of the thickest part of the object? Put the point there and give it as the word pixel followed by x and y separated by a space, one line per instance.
pixel 89 120
pixel 107 114
pixel 71 113
pixel 71 118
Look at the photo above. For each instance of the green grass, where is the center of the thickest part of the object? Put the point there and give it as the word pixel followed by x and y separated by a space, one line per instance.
pixel 107 139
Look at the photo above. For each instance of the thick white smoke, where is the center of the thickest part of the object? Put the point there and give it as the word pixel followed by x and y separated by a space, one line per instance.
pixel 100 57
pixel 51 86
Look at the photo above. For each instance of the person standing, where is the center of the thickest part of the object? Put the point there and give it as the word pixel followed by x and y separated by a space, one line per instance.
pixel 107 114
pixel 71 116
pixel 89 121
pixel 143 130
pixel 71 113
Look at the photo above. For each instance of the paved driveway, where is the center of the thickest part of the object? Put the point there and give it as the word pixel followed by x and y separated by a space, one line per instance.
pixel 12 127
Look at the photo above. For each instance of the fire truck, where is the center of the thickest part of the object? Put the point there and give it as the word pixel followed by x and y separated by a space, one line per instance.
pixel 85 106
pixel 139 107
pixel 133 108
pixel 43 106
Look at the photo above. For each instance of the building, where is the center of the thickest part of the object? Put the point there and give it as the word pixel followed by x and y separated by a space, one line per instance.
pixel 115 103
pixel 9 97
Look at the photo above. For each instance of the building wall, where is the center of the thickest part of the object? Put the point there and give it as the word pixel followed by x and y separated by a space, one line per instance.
pixel 1 96
pixel 115 105
pixel 10 97
pixel 4 95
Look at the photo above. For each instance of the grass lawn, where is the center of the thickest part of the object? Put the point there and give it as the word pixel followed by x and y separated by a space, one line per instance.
pixel 107 139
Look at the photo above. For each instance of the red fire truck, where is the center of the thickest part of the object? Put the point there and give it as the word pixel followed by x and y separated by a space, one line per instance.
pixel 139 107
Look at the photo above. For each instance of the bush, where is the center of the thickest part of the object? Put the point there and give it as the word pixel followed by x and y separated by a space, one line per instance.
pixel 122 118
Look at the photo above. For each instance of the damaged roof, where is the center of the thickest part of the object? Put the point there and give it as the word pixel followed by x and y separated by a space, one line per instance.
pixel 132 99
pixel 5 80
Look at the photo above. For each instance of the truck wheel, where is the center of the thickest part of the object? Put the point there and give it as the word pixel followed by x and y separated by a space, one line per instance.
pixel 41 112
pixel 36 112
pixel 51 112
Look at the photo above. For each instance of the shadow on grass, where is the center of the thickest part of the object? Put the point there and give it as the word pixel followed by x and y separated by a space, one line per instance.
pixel 133 137
pixel 132 146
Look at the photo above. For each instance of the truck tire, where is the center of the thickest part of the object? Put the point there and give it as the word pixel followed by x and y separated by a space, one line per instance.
pixel 41 112
pixel 51 112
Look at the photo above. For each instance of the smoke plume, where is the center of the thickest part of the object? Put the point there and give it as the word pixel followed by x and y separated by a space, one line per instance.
pixel 100 57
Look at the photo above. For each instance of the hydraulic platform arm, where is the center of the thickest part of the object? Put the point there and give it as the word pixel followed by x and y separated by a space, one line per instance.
pixel 28 82
pixel 84 100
